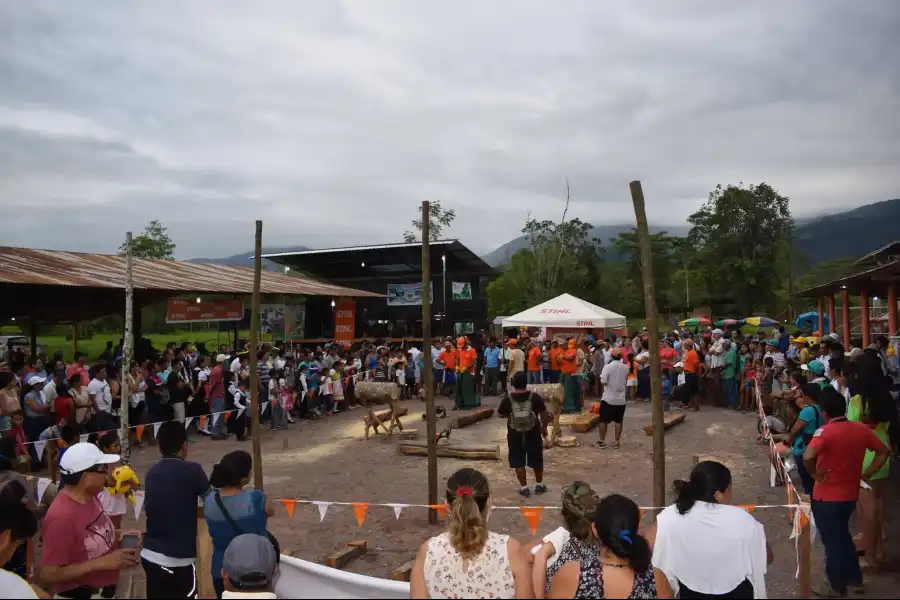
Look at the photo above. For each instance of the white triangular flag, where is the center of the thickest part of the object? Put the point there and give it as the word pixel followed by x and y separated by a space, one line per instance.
pixel 83 438
pixel 188 421
pixel 39 448
pixel 138 503
pixel 263 408
pixel 215 418
pixel 156 428
pixel 302 395
pixel 323 508
pixel 42 484
pixel 240 412
pixel 772 475
pixel 398 508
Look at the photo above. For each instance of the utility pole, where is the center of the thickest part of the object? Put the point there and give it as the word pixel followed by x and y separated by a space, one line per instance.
pixel 430 422
pixel 254 372
pixel 127 345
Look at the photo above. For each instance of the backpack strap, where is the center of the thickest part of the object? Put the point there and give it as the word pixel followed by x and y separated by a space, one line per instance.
pixel 227 515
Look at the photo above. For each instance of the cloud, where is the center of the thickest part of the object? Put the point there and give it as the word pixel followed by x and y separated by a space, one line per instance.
pixel 332 120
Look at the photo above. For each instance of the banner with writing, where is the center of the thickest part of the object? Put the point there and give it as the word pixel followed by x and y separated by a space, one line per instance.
pixel 345 321
pixel 188 310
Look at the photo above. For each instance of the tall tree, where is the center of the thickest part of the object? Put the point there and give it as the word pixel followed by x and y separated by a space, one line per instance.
pixel 665 258
pixel 153 243
pixel 440 219
pixel 738 236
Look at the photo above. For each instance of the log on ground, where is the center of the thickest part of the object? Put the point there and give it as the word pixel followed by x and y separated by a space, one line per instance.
pixel 479 414
pixel 385 416
pixel 669 422
pixel 342 557
pixel 402 572
pixel 452 450
pixel 585 422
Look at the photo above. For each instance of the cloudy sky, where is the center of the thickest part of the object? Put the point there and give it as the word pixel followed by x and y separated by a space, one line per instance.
pixel 331 121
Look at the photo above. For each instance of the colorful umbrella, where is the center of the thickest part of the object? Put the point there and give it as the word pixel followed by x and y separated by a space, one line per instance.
pixel 729 323
pixel 695 322
pixel 761 321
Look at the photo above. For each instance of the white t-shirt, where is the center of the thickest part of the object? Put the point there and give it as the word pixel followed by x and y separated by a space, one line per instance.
pixel 235 365
pixel 614 378
pixel 715 354
pixel 712 549
pixel 100 395
pixel 13 586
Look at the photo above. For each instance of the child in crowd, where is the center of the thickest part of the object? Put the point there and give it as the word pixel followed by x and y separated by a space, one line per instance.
pixel 241 403
pixel 400 377
pixel 631 382
pixel 276 383
pixel 410 377
pixel 747 390
pixel 303 391
pixel 17 432
pixel 114 505
pixel 286 394
pixel 337 390
pixel 325 394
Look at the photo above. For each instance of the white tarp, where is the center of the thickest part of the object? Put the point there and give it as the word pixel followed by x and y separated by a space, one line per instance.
pixel 303 579
pixel 566 311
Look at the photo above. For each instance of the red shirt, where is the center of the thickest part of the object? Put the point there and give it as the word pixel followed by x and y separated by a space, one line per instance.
pixel 216 384
pixel 667 356
pixel 81 370
pixel 65 409
pixel 841 446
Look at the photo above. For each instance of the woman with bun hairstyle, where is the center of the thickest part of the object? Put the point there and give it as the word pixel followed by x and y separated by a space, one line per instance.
pixel 620 567
pixel 702 529
pixel 468 561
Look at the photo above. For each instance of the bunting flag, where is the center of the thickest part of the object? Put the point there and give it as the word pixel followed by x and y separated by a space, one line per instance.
pixel 289 505
pixel 138 496
pixel 188 421
pixel 359 509
pixel 240 412
pixel 323 508
pixel 203 423
pixel 84 437
pixel 42 485
pixel 263 408
pixel 156 429
pixel 227 415
pixel 750 508
pixel 398 508
pixel 139 432
pixel 772 475
pixel 216 418
pixel 440 508
pixel 39 448
pixel 532 514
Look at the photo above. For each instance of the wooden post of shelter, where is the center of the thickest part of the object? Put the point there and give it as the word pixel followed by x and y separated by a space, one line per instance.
pixel 864 314
pixel 845 318
pixel 659 432
pixel 832 315
pixel 254 372
pixel 430 421
pixel 125 440
pixel 892 308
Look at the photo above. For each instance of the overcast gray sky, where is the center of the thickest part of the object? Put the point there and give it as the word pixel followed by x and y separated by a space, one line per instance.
pixel 332 120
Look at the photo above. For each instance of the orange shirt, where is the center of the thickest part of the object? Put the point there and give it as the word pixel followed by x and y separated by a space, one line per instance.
pixel 534 359
pixel 448 358
pixel 691 361
pixel 569 363
pixel 555 356
pixel 467 358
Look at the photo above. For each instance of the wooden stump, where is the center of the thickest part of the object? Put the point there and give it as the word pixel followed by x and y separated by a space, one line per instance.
pixel 552 395
pixel 403 572
pixel 452 450
pixel 479 414
pixel 669 422
pixel 340 558
pixel 585 422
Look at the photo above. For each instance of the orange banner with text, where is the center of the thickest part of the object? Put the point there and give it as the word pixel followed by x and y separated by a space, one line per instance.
pixel 345 321
pixel 181 310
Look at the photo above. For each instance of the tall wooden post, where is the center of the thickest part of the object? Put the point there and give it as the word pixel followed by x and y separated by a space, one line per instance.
pixel 659 434
pixel 74 339
pixel 254 372
pixel 832 316
pixel 892 308
pixel 125 440
pixel 820 313
pixel 430 422
pixel 845 318
pixel 864 313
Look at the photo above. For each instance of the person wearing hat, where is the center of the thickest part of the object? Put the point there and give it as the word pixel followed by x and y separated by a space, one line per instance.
pixel 815 373
pixel 447 359
pixel 249 567
pixel 516 359
pixel 802 350
pixel 571 384
pixel 465 379
pixel 80 556
pixel 37 413
pixel 526 426
pixel 217 397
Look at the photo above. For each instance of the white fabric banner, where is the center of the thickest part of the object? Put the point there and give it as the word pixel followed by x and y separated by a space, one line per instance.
pixel 42 484
pixel 156 429
pixel 138 503
pixel 303 579
pixel 323 509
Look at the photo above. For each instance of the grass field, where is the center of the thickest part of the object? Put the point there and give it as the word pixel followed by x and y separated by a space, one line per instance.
pixel 95 345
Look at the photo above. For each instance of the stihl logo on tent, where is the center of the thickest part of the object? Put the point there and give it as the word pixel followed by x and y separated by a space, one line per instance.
pixel 584 324
pixel 555 311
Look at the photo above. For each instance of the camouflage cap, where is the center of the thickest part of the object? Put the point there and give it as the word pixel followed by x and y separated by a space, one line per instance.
pixel 579 506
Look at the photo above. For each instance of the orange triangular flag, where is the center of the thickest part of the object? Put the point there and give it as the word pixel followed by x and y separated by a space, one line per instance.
pixel 532 514
pixel 289 505
pixel 440 508
pixel 804 520
pixel 139 432
pixel 641 511
pixel 202 422
pixel 359 509
pixel 227 414
pixel 750 508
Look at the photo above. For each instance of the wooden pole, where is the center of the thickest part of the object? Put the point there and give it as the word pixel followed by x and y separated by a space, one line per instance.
pixel 832 316
pixel 125 440
pixel 254 373
pixel 804 548
pixel 659 434
pixel 820 312
pixel 845 318
pixel 430 422
pixel 864 313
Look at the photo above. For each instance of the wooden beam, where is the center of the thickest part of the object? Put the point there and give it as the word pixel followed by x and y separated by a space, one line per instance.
pixel 892 308
pixel 402 573
pixel 584 423
pixel 479 414
pixel 430 418
pixel 452 450
pixel 864 313
pixel 339 559
pixel 821 315
pixel 832 317
pixel 670 421
pixel 254 373
pixel 845 318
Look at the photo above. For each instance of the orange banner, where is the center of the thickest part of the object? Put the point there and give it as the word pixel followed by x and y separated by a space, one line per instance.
pixel 181 310
pixel 345 321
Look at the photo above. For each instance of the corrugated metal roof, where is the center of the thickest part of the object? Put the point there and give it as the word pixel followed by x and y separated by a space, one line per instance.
pixel 51 267
pixel 358 248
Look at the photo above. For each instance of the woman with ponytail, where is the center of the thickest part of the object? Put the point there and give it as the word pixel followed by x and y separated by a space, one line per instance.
pixel 468 561
pixel 703 529
pixel 620 566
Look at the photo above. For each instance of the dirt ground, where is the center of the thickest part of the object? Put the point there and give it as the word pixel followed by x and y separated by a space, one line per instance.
pixel 329 460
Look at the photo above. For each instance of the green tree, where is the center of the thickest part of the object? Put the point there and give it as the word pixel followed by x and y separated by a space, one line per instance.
pixel 738 237
pixel 153 243
pixel 441 219
pixel 663 247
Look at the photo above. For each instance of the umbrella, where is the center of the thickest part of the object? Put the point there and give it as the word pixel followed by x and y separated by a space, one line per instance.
pixel 811 320
pixel 761 321
pixel 729 323
pixel 694 322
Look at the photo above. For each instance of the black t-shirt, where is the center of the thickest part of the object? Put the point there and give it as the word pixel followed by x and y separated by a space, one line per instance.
pixel 172 489
pixel 537 405
pixel 177 394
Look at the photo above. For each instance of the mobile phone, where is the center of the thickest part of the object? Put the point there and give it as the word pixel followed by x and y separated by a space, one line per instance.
pixel 130 540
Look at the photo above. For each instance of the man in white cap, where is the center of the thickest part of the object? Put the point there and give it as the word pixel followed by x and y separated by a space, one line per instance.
pixel 217 397
pixel 249 567
pixel 80 556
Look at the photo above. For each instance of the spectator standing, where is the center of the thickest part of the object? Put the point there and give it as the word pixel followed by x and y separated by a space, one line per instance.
pixel 516 359
pixel 37 414
pixel 217 395
pixel 569 380
pixel 18 524
pixel 173 486
pixel 81 400
pixel 526 426
pixel 808 421
pixel 730 375
pixel 613 402
pixel 80 556
pixel 179 389
pixel 77 368
pixel 692 366
pixel 491 367
pixel 9 400
pixel 534 362
pixel 101 400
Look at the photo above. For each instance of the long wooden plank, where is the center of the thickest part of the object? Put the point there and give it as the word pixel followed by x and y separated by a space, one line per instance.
pixel 340 558
pixel 479 414
pixel 669 421
pixel 585 422
pixel 452 450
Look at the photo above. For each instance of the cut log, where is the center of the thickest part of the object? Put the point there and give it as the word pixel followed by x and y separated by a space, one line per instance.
pixel 402 572
pixel 409 434
pixel 567 441
pixel 342 557
pixel 479 414
pixel 378 392
pixel 585 422
pixel 384 416
pixel 452 450
pixel 669 422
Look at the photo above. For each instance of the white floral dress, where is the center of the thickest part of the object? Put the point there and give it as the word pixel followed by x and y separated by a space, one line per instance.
pixel 489 574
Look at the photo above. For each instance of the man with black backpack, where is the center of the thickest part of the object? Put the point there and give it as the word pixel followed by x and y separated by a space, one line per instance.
pixel 527 419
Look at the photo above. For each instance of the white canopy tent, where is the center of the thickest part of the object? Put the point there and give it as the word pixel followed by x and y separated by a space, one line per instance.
pixel 566 311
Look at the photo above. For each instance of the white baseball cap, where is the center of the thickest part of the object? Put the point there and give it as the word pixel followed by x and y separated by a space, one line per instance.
pixel 220 358
pixel 717 332
pixel 82 456
pixel 34 380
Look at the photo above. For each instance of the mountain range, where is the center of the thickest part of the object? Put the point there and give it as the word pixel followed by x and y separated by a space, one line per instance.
pixel 848 234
